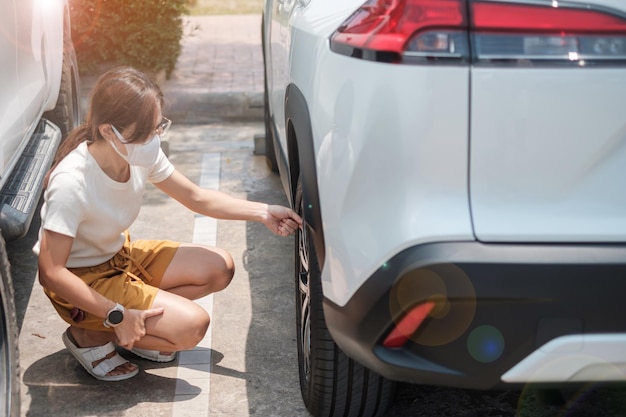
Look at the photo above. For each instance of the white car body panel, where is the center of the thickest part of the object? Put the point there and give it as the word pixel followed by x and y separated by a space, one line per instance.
pixel 310 26
pixel 427 170
pixel 32 86
pixel 11 122
pixel 377 199
pixel 558 178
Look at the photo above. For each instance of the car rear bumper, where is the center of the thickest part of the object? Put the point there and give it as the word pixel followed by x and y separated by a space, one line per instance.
pixel 505 314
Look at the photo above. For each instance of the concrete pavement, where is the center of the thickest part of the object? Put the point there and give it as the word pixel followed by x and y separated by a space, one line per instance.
pixel 246 364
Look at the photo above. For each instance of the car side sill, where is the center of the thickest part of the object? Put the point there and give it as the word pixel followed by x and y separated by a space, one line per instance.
pixel 20 195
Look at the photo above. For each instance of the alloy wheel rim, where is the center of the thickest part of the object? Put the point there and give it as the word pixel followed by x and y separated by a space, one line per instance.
pixel 305 302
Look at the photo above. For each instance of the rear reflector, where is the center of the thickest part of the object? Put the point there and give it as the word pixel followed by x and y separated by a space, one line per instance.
pixel 408 325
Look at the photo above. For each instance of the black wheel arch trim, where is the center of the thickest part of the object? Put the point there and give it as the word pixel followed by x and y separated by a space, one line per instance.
pixel 301 156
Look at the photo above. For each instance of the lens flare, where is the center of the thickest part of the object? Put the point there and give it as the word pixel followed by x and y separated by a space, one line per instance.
pixel 454 296
pixel 485 343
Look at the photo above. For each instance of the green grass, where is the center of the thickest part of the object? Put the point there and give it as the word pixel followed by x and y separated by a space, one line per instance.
pixel 215 7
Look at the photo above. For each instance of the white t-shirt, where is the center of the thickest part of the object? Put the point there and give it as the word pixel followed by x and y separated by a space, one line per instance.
pixel 83 202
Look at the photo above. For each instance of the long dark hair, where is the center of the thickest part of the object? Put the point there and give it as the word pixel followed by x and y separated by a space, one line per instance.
pixel 122 96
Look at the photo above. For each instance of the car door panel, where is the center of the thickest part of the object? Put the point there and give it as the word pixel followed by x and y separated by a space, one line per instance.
pixel 11 119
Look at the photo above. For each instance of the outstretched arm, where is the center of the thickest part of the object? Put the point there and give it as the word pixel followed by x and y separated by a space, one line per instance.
pixel 281 220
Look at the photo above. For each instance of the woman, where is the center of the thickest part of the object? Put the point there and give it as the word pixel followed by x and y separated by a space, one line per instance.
pixel 111 290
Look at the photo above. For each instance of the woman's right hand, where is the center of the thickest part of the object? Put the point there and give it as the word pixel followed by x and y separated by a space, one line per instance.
pixel 133 327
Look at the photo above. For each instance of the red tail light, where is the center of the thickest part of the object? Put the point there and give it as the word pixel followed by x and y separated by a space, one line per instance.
pixel 418 30
pixel 506 17
pixel 383 30
pixel 385 25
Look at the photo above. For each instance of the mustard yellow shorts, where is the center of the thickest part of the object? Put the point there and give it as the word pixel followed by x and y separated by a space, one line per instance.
pixel 132 278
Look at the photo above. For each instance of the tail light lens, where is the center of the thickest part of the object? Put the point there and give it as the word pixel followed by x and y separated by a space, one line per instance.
pixel 406 31
pixel 505 32
pixel 390 30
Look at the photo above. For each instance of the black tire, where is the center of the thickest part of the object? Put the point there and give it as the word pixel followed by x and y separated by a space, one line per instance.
pixel 9 358
pixel 270 152
pixel 67 113
pixel 331 383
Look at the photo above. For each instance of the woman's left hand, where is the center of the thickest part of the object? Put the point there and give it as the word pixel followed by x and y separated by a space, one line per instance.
pixel 282 220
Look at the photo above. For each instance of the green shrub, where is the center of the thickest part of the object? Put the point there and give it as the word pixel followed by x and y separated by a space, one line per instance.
pixel 145 34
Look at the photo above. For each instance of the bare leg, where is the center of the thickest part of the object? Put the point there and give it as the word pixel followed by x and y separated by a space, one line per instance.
pixel 182 325
pixel 197 271
pixel 194 272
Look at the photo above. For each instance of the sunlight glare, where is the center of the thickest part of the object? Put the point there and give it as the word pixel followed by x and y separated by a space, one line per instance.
pixel 48 5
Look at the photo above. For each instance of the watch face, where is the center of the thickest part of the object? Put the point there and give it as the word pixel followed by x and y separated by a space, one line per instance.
pixel 116 317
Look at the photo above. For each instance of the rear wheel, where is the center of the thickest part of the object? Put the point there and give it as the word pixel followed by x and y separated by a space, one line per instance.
pixel 66 113
pixel 331 383
pixel 9 363
pixel 270 152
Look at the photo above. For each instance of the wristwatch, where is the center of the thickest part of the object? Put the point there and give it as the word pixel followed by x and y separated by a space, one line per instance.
pixel 114 316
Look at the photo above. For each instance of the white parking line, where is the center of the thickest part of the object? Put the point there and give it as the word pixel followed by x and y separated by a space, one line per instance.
pixel 191 397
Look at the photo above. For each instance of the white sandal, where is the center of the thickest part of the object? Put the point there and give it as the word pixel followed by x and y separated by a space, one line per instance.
pixel 86 356
pixel 153 355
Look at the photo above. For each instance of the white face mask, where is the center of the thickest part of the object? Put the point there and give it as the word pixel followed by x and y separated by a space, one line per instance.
pixel 139 154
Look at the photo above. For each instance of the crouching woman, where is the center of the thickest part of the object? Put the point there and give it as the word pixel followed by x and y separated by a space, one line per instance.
pixel 107 287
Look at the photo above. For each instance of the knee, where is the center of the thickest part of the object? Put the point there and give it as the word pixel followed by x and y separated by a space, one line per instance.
pixel 226 273
pixel 194 330
pixel 201 325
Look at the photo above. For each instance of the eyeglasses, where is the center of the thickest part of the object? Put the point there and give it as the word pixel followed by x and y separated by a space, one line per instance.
pixel 160 130
pixel 165 124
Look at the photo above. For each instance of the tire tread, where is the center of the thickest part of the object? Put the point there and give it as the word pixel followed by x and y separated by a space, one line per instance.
pixel 10 337
pixel 338 385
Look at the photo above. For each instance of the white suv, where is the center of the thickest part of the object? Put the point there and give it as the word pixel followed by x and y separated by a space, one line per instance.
pixel 461 169
pixel 39 103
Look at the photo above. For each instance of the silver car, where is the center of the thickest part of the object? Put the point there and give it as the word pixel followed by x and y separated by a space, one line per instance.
pixel 39 104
